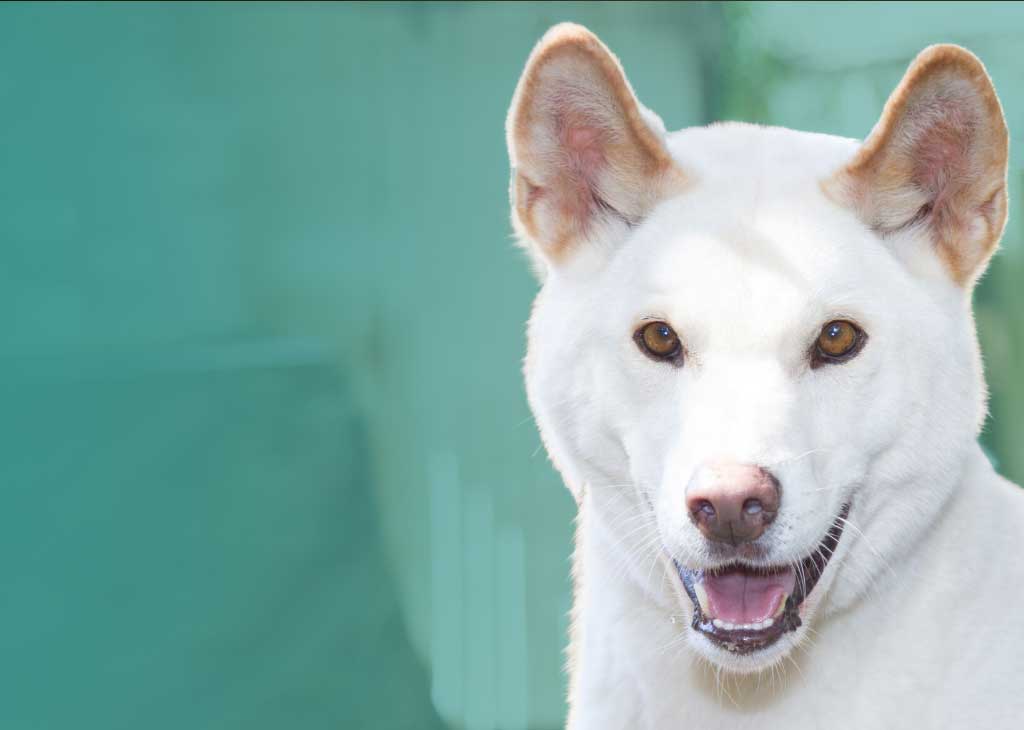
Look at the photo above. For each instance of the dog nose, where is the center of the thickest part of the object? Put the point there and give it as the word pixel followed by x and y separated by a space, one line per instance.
pixel 732 503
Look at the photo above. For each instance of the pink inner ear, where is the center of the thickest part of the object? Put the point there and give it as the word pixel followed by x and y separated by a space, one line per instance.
pixel 582 145
pixel 941 153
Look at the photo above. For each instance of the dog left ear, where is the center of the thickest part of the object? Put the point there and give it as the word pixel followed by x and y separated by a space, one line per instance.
pixel 585 154
pixel 936 158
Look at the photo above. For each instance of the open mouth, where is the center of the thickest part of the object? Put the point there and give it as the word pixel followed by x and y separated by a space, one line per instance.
pixel 743 608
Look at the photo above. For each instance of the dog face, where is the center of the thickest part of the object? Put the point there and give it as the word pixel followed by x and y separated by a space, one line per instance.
pixel 753 353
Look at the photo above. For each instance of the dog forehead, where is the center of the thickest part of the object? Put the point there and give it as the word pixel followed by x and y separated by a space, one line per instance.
pixel 735 263
pixel 764 159
pixel 754 237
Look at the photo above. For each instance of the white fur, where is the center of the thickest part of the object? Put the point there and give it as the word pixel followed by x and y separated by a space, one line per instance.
pixel 914 622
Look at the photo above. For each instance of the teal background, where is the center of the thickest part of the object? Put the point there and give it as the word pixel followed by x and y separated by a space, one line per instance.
pixel 266 456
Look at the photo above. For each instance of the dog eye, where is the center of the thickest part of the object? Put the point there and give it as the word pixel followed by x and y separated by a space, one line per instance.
pixel 838 341
pixel 659 340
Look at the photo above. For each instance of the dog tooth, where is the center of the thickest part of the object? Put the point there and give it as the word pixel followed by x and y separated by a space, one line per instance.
pixel 757 625
pixel 782 607
pixel 767 623
pixel 719 624
pixel 728 626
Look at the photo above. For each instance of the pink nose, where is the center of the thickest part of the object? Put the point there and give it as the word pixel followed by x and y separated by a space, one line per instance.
pixel 732 503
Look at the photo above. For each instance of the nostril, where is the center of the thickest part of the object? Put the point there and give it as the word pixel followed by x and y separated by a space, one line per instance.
pixel 753 507
pixel 732 503
pixel 706 508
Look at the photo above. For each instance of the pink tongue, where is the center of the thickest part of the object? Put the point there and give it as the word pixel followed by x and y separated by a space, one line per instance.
pixel 740 597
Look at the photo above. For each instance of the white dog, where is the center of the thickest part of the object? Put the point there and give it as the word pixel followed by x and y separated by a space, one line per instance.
pixel 754 362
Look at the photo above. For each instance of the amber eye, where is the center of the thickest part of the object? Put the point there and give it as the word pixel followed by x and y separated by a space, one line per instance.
pixel 659 340
pixel 839 341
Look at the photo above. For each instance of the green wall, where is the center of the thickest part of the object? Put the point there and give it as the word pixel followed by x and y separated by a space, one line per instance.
pixel 267 460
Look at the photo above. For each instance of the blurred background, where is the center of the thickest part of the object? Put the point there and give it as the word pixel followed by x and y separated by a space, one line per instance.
pixel 266 456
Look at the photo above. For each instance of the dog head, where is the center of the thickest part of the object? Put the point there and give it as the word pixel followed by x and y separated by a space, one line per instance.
pixel 753 353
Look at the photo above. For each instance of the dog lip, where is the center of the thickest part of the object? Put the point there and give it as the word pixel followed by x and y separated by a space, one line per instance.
pixel 747 641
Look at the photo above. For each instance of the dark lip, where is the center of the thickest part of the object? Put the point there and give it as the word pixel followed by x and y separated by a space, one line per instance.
pixel 808 572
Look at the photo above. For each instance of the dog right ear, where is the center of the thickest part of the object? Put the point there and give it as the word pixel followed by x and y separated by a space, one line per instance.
pixel 586 156
pixel 936 161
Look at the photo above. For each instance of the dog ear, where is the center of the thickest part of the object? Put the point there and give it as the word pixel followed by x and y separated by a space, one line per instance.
pixel 937 158
pixel 585 154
